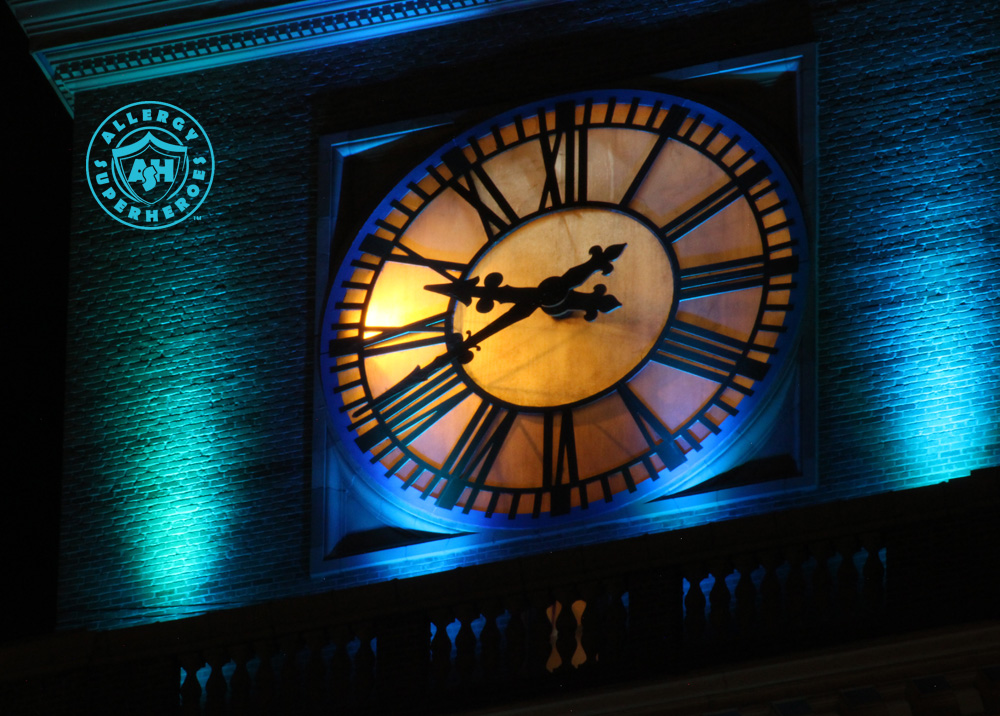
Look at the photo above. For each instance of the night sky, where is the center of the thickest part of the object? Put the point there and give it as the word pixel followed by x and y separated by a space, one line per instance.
pixel 37 135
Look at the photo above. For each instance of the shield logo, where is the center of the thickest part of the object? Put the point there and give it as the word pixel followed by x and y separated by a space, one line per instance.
pixel 149 170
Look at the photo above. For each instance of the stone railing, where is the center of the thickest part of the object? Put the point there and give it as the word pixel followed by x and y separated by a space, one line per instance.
pixel 571 633
pixel 595 617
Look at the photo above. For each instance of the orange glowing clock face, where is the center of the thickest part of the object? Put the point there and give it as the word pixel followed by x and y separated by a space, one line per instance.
pixel 564 310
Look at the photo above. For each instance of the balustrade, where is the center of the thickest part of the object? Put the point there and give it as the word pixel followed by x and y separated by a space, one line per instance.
pixel 593 616
pixel 654 618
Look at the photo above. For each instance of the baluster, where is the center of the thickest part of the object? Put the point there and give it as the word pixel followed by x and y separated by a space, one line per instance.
pixel 403 659
pixel 654 609
pixel 694 605
pixel 822 588
pixel 516 638
pixel 289 691
pixel 215 687
pixel 592 625
pixel 615 632
pixel 539 647
pixel 158 684
pixel 719 615
pixel 441 649
pixel 770 596
pixel 579 608
pixel 266 701
pixel 489 642
pixel 315 673
pixel 746 598
pixel 340 665
pixel 795 592
pixel 364 663
pixel 847 581
pixel 465 645
pixel 873 584
pixel 191 689
pixel 566 636
pixel 240 683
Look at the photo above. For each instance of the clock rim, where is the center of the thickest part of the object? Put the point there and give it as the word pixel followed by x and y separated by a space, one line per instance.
pixel 764 389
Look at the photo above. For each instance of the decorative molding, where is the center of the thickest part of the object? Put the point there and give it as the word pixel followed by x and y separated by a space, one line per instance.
pixel 172 49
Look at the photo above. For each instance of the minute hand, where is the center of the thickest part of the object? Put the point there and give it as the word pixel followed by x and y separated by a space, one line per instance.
pixel 492 292
pixel 555 289
pixel 460 351
pixel 549 293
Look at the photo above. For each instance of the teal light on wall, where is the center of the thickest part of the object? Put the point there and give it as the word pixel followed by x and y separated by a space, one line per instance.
pixel 186 427
pixel 940 405
pixel 172 501
pixel 919 359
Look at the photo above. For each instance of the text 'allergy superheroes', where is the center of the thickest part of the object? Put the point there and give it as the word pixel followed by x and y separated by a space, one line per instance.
pixel 150 165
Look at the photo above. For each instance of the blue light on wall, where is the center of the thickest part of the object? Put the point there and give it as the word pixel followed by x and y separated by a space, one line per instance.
pixel 939 410
pixel 917 363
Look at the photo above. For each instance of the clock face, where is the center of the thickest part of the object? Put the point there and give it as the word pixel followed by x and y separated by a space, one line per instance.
pixel 571 307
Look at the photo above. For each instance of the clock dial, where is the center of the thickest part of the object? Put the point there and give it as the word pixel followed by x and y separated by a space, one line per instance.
pixel 537 362
pixel 566 309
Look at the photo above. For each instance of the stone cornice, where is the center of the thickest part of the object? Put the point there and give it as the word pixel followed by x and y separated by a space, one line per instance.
pixel 100 59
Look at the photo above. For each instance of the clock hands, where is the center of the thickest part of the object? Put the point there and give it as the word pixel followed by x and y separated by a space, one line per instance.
pixel 464 290
pixel 555 288
pixel 597 301
pixel 458 349
pixel 554 295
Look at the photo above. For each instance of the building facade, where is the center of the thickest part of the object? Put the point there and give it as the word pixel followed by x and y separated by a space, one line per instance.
pixel 196 479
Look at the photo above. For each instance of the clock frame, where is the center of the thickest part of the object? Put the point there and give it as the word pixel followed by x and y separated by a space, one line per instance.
pixel 640 398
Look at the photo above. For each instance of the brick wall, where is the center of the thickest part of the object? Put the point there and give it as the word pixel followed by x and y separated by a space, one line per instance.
pixel 190 350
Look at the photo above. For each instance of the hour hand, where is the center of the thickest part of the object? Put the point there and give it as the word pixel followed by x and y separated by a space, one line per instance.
pixel 597 301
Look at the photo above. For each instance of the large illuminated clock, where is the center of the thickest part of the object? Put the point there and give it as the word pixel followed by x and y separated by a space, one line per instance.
pixel 566 309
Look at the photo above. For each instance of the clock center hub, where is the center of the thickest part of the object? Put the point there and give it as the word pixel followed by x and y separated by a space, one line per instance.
pixel 544 360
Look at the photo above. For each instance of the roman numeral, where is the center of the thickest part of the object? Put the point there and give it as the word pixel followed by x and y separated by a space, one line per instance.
pixel 560 470
pixel 697 214
pixel 734 275
pixel 410 412
pixel 671 124
pixel 657 435
pixel 708 354
pixel 476 178
pixel 384 249
pixel 472 457
pixel 573 142
pixel 370 343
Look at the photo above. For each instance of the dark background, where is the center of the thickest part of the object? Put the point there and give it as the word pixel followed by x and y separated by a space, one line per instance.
pixel 37 133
